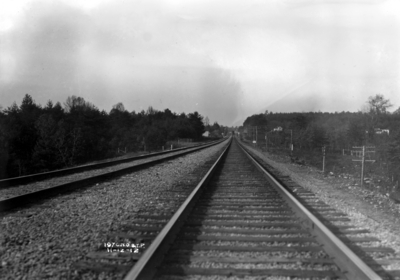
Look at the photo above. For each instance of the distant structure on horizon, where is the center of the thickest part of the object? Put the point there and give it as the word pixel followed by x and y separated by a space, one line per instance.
pixel 381 131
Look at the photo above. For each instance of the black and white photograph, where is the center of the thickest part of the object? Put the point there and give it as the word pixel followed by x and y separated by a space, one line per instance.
pixel 200 139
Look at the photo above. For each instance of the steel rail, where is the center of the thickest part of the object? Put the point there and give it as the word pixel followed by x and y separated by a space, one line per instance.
pixel 23 200
pixel 344 257
pixel 5 183
pixel 145 268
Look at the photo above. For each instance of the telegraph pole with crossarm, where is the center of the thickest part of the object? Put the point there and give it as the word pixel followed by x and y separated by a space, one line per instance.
pixel 364 151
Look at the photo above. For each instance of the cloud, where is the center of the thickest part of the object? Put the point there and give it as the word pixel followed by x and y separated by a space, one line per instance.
pixel 44 46
pixel 129 53
pixel 225 59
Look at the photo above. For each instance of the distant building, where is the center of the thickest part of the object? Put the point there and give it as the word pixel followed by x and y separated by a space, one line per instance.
pixel 381 131
pixel 206 134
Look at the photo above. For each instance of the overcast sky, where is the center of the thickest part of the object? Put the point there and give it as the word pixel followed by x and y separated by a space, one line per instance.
pixel 225 59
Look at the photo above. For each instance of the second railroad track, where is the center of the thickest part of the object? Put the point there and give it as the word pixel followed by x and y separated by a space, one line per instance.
pixel 27 190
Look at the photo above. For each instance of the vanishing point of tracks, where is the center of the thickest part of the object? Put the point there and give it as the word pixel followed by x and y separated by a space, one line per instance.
pixel 244 223
pixel 239 221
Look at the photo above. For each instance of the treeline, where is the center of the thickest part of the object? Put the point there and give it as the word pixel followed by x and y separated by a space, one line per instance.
pixel 37 139
pixel 374 126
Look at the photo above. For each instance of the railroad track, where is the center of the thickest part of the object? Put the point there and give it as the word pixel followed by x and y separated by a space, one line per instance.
pixel 23 191
pixel 10 182
pixel 240 221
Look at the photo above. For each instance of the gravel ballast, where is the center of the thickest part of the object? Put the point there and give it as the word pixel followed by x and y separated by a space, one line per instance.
pixel 43 241
pixel 9 192
pixel 380 215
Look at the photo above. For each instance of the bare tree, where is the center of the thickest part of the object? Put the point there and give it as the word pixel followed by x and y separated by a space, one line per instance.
pixel 73 102
pixel 378 104
pixel 151 111
pixel 119 107
pixel 206 121
pixel 68 143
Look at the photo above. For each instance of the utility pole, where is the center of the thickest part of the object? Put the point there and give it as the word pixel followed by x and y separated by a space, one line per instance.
pixel 256 135
pixel 362 165
pixel 291 137
pixel 323 159
pixel 364 151
pixel 291 142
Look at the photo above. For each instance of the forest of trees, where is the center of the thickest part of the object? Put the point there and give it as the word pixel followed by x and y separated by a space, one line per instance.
pixel 37 139
pixel 215 129
pixel 336 131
